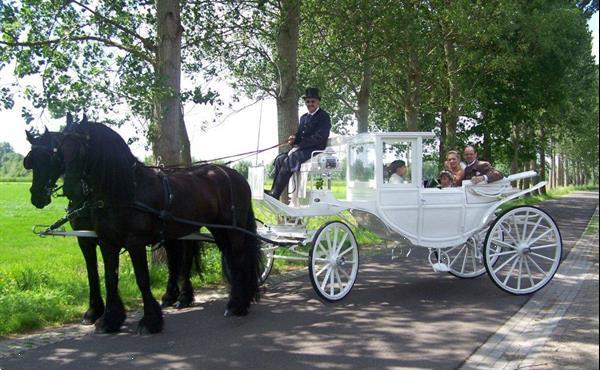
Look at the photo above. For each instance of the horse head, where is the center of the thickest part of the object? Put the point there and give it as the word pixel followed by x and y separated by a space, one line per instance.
pixel 96 159
pixel 45 161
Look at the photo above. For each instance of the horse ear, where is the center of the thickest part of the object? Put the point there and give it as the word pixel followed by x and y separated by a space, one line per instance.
pixel 45 130
pixel 84 120
pixel 69 119
pixel 29 134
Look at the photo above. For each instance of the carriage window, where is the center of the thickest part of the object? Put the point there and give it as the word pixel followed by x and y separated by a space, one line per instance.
pixel 431 163
pixel 362 163
pixel 397 160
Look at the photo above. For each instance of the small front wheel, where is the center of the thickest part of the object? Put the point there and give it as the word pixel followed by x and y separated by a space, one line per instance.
pixel 522 250
pixel 333 261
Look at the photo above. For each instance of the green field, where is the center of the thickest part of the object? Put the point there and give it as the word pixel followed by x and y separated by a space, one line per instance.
pixel 43 281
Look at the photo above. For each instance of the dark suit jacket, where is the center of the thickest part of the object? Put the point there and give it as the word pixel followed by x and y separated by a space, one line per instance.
pixel 312 134
pixel 480 168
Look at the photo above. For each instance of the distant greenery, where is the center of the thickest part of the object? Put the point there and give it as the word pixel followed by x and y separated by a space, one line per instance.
pixel 11 163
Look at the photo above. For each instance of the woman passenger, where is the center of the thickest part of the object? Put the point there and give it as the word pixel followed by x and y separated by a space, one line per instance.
pixel 453 165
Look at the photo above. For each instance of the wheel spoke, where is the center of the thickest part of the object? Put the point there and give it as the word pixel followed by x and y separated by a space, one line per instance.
pixel 505 263
pixel 543 257
pixel 322 248
pixel 520 273
pixel 473 258
pixel 502 253
pixel 537 224
pixel 544 246
pixel 464 262
pixel 451 263
pixel 511 270
pixel 508 233
pixel 503 244
pixel 335 238
pixel 324 283
pixel 529 272
pixel 538 266
pixel 341 244
pixel 345 273
pixel 321 270
pixel 346 251
pixel 541 236
pixel 331 282
pixel 339 279
pixel 525 223
pixel 514 222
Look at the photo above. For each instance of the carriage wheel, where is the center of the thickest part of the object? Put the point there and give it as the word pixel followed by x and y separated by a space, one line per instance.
pixel 466 260
pixel 522 250
pixel 266 257
pixel 333 261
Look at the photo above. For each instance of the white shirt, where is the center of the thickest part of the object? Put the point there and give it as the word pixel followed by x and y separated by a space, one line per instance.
pixel 397 179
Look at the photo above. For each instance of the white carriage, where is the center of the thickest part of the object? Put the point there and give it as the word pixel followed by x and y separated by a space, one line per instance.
pixel 519 248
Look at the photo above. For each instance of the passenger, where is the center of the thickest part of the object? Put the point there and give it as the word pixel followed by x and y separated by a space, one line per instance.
pixel 312 134
pixel 453 165
pixel 397 171
pixel 446 179
pixel 479 171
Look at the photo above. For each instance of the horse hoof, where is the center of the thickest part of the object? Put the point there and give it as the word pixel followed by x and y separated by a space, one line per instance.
pixel 236 312
pixel 167 303
pixel 91 316
pixel 183 303
pixel 146 326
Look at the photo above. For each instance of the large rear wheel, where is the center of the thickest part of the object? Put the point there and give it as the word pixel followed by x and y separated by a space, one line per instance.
pixel 333 261
pixel 522 250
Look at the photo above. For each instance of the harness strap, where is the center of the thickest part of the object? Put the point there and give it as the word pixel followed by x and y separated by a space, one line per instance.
pixel 146 208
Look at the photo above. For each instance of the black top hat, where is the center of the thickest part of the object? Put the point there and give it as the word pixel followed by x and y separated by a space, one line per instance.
pixel 311 92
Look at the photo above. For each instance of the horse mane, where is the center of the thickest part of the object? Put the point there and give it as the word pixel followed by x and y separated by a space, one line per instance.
pixel 109 163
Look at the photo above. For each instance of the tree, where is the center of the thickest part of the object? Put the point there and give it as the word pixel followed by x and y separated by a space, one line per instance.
pixel 96 57
pixel 256 43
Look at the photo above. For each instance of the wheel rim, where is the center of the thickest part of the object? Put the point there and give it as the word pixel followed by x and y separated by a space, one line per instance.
pixel 523 250
pixel 267 257
pixel 334 262
pixel 466 260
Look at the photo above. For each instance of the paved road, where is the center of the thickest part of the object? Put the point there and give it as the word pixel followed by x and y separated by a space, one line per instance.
pixel 399 315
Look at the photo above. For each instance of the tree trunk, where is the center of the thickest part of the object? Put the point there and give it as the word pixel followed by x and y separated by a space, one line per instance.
pixel 170 142
pixel 542 154
pixel 451 109
pixel 560 176
pixel 413 100
pixel 487 147
pixel 527 181
pixel 287 63
pixel 171 145
pixel 364 94
pixel 514 165
pixel 443 149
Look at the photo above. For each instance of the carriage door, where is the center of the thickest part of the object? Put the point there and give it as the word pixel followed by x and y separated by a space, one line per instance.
pixel 442 211
pixel 399 176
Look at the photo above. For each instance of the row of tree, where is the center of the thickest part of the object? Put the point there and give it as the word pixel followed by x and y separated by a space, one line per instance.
pixel 516 77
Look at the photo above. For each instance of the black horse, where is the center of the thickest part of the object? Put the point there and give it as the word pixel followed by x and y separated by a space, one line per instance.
pixel 46 165
pixel 132 206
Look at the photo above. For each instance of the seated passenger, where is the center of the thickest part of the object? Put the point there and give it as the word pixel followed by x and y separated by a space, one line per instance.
pixel 397 171
pixel 453 165
pixel 479 171
pixel 312 135
pixel 445 179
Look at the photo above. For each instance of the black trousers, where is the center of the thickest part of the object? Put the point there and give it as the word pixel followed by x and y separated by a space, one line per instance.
pixel 282 175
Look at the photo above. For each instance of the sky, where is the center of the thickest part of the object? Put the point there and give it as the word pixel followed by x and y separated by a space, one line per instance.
pixel 237 133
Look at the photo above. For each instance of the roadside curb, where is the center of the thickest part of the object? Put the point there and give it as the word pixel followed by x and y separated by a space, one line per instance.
pixel 521 340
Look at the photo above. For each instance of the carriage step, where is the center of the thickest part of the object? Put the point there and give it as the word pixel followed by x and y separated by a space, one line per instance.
pixel 440 267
